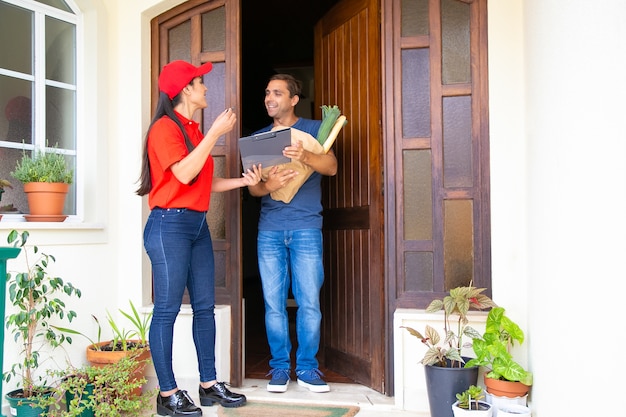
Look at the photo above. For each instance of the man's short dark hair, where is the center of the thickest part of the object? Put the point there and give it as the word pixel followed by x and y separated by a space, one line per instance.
pixel 293 85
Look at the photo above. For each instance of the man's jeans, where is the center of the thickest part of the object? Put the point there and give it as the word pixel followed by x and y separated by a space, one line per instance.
pixel 179 245
pixel 298 252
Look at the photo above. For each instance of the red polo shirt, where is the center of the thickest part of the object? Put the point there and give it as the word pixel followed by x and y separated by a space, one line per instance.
pixel 166 146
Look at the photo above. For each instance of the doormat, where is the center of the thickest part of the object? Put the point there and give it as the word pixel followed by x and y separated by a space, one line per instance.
pixel 276 409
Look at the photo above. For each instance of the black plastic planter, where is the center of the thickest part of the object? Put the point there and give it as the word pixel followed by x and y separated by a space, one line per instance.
pixel 443 384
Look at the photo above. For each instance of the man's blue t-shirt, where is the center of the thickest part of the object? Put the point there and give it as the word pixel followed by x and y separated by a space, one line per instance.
pixel 305 209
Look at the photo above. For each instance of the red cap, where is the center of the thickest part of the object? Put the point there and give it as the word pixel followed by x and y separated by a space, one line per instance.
pixel 177 74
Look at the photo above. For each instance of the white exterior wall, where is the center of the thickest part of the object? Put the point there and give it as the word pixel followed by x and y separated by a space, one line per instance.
pixel 557 149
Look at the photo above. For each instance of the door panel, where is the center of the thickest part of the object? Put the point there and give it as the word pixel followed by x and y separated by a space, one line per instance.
pixel 347 73
pixel 200 31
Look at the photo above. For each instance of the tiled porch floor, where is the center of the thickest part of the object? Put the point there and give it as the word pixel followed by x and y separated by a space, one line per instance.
pixel 371 403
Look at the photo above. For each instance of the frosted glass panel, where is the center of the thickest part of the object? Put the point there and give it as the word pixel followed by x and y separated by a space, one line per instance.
pixel 220 268
pixel 455 25
pixel 457 141
pixel 216 96
pixel 216 214
pixel 414 17
pixel 179 42
pixel 60 118
pixel 214 30
pixel 16 24
pixel 60 51
pixel 418 204
pixel 415 93
pixel 418 271
pixel 458 244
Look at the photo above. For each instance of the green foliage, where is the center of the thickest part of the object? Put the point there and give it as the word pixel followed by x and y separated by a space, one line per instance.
pixel 492 349
pixel 469 398
pixel 456 304
pixel 34 294
pixel 43 167
pixel 141 324
pixel 106 391
pixel 122 338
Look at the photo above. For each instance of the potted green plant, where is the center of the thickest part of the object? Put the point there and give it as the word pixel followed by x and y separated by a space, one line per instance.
pixel 504 377
pixel 37 299
pixel 46 178
pixel 469 403
pixel 133 342
pixel 445 372
pixel 100 391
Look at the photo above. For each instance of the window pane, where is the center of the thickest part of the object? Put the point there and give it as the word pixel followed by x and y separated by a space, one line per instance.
pixel 455 26
pixel 60 51
pixel 217 210
pixel 179 42
pixel 414 17
pixel 60 118
pixel 214 30
pixel 216 96
pixel 13 199
pixel 70 199
pixel 418 205
pixel 59 4
pixel 415 93
pixel 418 271
pixel 16 118
pixel 458 243
pixel 16 24
pixel 457 141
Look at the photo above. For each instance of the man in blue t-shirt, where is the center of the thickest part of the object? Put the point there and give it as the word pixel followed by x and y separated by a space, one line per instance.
pixel 289 245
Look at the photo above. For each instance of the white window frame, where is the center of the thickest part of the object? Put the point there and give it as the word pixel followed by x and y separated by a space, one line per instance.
pixel 41 11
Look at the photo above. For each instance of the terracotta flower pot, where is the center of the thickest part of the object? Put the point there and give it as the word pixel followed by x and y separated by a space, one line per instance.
pixel 104 357
pixel 506 388
pixel 46 198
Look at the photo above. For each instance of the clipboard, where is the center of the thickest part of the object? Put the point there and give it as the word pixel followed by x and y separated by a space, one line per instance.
pixel 264 148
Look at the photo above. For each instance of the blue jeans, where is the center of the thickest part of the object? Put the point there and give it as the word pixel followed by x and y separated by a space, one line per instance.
pixel 179 245
pixel 299 253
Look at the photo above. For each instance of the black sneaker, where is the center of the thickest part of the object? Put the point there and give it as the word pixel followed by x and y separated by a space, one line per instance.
pixel 178 404
pixel 218 393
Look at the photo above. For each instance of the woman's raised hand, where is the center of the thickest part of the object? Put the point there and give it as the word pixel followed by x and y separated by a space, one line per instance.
pixel 223 123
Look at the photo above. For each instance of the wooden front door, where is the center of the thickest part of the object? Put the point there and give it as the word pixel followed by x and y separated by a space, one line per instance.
pixel 348 73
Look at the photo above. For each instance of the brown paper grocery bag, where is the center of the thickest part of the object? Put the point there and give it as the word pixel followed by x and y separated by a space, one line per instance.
pixel 309 143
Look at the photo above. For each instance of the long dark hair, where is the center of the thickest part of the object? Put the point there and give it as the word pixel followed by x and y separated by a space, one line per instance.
pixel 165 107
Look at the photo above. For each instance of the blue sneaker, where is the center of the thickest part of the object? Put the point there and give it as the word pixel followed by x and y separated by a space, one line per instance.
pixel 312 379
pixel 280 380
